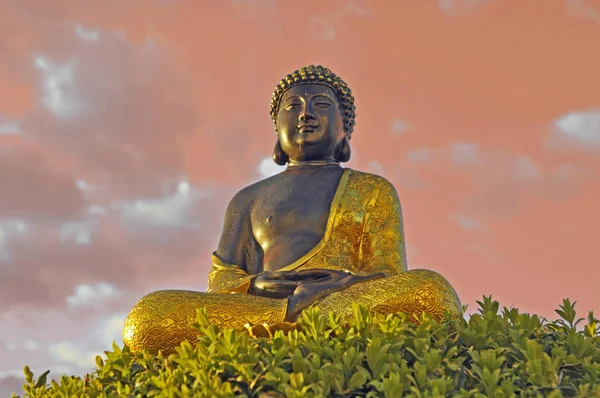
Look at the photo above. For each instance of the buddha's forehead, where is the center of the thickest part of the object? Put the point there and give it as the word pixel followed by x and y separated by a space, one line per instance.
pixel 309 90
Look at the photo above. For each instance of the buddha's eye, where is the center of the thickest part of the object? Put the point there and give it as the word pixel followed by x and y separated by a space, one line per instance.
pixel 322 105
pixel 293 105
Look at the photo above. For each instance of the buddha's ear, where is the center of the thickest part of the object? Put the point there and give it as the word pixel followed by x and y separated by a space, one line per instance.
pixel 280 157
pixel 344 151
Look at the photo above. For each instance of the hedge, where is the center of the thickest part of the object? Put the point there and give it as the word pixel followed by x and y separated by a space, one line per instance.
pixel 494 354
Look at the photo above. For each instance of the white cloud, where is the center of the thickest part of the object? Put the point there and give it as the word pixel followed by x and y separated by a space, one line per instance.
pixel 4 253
pixel 500 178
pixel 578 130
pixel 96 210
pixel 87 34
pixel 92 295
pixel 72 354
pixel 30 345
pixel 110 329
pixel 255 7
pixel 171 211
pixel 267 167
pixel 12 373
pixel 325 27
pixel 453 7
pixel 526 169
pixel 10 229
pixel 467 222
pixel 79 232
pixel 465 153
pixel 514 166
pixel 583 9
pixel 411 250
pixel 60 94
pixel 417 155
pixel 84 186
pixel 375 167
pixel 399 126
pixel 10 346
pixel 8 126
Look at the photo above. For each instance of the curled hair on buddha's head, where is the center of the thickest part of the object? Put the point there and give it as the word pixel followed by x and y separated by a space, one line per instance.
pixel 318 75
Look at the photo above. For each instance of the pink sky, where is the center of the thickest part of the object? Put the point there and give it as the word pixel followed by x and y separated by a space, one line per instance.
pixel 125 128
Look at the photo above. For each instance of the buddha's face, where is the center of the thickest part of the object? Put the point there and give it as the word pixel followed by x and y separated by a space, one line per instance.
pixel 309 123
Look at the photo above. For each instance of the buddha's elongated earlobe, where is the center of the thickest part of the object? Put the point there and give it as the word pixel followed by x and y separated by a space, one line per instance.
pixel 280 157
pixel 344 151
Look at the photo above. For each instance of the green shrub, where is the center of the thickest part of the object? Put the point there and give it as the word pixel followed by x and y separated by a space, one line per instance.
pixel 506 354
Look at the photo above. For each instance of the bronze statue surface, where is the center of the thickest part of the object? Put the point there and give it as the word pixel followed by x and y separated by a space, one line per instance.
pixel 314 234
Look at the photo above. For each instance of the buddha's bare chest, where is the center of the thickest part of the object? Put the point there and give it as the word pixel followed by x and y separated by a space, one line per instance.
pixel 293 208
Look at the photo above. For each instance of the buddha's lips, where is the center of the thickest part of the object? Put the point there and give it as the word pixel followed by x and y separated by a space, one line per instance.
pixel 307 128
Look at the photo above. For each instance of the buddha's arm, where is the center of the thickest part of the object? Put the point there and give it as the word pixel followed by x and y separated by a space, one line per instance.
pixel 238 256
pixel 383 248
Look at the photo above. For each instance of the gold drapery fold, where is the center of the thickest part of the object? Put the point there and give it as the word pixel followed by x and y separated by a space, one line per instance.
pixel 161 320
pixel 227 278
pixel 365 231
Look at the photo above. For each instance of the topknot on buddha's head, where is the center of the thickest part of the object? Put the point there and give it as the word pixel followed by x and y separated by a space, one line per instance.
pixel 318 75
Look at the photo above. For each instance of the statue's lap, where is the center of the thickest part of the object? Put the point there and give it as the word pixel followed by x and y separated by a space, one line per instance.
pixel 161 320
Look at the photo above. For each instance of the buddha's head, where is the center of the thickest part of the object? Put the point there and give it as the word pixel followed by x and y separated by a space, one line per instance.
pixel 313 112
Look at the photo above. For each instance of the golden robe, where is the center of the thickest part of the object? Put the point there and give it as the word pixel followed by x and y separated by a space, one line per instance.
pixel 364 235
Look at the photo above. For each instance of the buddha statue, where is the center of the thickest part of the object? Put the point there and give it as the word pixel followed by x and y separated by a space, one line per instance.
pixel 316 234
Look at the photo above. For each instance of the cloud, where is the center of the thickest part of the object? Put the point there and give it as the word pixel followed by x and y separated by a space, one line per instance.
pixel 31 345
pixel 254 8
pixel 465 153
pixel 375 167
pixel 324 27
pixel 458 154
pixel 422 154
pixel 9 229
pixel 10 346
pixel 171 211
pixel 79 232
pixel 583 9
pixel 87 34
pixel 26 173
pixel 94 190
pixel 59 91
pixel 92 295
pixel 267 167
pixel 498 178
pixel 72 354
pixel 11 382
pixel 467 222
pixel 399 127
pixel 576 130
pixel 91 115
pixel 109 329
pixel 9 126
pixel 454 7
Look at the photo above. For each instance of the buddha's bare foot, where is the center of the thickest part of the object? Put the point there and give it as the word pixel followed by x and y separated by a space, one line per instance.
pixel 308 293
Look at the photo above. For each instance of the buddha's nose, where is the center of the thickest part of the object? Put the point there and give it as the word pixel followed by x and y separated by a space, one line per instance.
pixel 306 115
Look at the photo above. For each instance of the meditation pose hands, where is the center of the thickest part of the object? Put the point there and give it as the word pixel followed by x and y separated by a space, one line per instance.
pixel 304 288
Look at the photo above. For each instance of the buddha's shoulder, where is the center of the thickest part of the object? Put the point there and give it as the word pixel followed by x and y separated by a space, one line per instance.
pixel 372 180
pixel 245 197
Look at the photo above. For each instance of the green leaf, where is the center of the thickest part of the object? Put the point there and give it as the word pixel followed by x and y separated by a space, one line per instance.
pixel 41 381
pixel 357 380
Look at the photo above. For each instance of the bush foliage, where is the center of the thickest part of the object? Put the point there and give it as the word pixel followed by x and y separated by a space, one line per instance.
pixel 496 353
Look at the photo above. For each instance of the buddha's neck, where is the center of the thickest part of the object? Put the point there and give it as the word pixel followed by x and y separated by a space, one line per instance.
pixel 298 164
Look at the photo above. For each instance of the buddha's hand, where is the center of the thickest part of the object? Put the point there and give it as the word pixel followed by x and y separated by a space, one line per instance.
pixel 308 293
pixel 281 284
